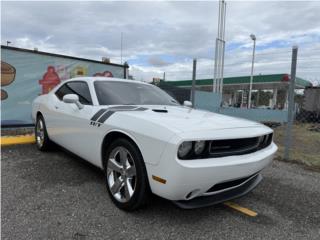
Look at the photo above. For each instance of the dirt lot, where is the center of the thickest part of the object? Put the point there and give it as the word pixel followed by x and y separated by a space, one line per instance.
pixel 305 143
pixel 57 196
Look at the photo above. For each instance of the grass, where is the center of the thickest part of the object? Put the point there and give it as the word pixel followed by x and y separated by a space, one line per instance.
pixel 305 147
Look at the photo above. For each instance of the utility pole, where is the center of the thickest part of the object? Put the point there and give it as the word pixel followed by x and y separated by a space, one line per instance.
pixel 219 49
pixel 8 42
pixel 291 102
pixel 121 47
pixel 194 70
pixel 253 37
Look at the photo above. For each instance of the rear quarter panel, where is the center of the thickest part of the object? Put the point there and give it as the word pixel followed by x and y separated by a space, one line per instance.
pixel 37 104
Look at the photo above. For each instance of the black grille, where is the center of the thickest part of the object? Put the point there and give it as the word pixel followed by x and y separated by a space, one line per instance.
pixel 229 147
pixel 229 184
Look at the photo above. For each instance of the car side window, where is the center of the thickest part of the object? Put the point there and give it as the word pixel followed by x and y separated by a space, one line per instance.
pixel 79 88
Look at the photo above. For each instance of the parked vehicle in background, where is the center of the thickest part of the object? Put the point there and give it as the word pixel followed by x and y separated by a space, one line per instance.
pixel 310 111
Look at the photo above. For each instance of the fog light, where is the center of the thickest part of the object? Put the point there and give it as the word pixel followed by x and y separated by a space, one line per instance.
pixel 192 194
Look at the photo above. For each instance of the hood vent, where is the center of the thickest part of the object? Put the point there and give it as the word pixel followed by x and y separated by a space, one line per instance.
pixel 160 110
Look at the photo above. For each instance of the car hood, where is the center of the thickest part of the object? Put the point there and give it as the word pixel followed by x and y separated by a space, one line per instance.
pixel 183 119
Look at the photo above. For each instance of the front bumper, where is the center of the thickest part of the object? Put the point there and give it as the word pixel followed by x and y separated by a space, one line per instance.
pixel 191 179
pixel 222 196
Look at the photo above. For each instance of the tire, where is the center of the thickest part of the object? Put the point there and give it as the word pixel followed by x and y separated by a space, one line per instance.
pixel 129 188
pixel 41 136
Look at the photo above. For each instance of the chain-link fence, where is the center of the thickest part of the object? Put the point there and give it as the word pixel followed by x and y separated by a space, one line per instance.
pixel 304 132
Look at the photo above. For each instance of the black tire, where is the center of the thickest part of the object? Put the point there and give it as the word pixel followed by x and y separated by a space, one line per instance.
pixel 141 192
pixel 43 142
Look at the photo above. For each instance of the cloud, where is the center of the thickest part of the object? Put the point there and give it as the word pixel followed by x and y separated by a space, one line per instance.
pixel 157 61
pixel 165 36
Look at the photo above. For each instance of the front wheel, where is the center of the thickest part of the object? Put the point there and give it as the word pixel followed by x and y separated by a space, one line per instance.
pixel 41 136
pixel 126 175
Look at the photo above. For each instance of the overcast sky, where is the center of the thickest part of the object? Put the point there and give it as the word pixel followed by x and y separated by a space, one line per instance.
pixel 164 36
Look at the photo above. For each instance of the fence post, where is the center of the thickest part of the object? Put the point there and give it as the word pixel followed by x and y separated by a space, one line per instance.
pixel 288 137
pixel 193 81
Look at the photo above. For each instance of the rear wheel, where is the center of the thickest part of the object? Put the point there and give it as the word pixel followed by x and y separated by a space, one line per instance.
pixel 42 140
pixel 126 177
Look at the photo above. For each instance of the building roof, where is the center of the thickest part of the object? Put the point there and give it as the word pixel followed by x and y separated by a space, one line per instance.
pixel 61 56
pixel 257 79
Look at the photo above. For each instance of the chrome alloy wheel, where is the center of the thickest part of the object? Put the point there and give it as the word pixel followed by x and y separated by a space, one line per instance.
pixel 121 174
pixel 40 133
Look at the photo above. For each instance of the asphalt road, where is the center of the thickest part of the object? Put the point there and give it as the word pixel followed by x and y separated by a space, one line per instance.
pixel 57 196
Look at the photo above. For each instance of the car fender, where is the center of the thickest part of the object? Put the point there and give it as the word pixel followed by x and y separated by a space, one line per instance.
pixel 150 138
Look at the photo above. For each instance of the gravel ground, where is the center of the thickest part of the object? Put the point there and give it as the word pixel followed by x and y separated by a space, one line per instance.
pixel 57 196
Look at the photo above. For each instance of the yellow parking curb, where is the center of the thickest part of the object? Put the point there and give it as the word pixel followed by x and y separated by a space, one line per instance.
pixel 241 209
pixel 12 140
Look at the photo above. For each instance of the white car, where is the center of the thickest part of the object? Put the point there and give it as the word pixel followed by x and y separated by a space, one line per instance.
pixel 146 142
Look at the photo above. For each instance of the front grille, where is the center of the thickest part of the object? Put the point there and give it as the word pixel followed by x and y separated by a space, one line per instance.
pixel 230 147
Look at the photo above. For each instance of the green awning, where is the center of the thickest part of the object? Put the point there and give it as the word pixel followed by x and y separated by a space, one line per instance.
pixel 272 78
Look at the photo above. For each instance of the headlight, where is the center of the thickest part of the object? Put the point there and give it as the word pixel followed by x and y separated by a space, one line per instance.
pixel 184 149
pixel 199 147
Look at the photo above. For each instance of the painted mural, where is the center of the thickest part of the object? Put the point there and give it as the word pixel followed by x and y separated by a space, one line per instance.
pixel 49 80
pixel 26 75
pixel 8 74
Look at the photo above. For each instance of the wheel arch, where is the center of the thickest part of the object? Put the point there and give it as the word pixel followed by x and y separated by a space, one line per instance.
pixel 112 136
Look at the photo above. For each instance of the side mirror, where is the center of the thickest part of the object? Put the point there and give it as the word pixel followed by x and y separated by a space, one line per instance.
pixel 72 98
pixel 187 104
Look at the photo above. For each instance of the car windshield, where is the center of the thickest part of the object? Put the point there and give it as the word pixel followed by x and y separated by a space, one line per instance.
pixel 126 93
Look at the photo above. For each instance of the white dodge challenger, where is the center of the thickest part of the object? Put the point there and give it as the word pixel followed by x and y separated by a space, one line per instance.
pixel 146 142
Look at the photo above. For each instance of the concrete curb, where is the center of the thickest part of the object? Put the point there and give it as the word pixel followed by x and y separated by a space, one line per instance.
pixel 20 139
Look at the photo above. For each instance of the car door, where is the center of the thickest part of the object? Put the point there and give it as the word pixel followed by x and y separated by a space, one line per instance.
pixel 70 125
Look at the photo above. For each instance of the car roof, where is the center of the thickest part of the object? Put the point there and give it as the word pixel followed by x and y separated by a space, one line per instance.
pixel 109 79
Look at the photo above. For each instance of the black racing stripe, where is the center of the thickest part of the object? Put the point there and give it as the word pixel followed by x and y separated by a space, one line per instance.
pixel 98 114
pixel 105 116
